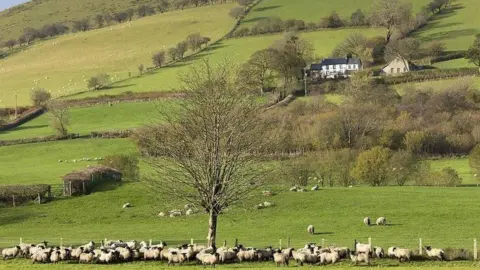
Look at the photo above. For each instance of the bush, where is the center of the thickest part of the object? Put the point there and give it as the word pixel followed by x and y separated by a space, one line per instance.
pixel 242 32
pixel 99 81
pixel 448 177
pixel 158 59
pixel 40 97
pixel 372 166
pixel 332 21
pixel 127 164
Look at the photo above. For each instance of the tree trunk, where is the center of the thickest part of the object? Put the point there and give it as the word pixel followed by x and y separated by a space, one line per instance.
pixel 212 228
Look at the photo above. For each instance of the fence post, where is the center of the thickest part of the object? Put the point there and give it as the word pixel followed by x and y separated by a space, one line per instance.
pixel 323 243
pixel 191 241
pixel 475 251
pixel 236 242
pixel 150 242
pixel 224 243
pixel 355 245
pixel 288 242
pixel 280 242
pixel 370 243
pixel 105 241
pixel 13 200
pixel 21 240
pixel 420 247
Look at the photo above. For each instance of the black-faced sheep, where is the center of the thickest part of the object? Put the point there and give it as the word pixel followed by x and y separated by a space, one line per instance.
pixel 435 253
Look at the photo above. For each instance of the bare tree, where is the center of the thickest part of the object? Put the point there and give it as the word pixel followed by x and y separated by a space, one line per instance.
pixel 391 14
pixel 257 73
pixel 59 117
pixel 195 41
pixel 237 13
pixel 162 6
pixel 11 43
pixel 205 151
pixel 141 68
pixel 158 59
pixel 181 49
pixel 408 49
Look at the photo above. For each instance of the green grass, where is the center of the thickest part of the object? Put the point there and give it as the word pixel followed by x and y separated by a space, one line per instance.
pixel 437 84
pixel 456 63
pixel 460 164
pixel 235 50
pixel 38 163
pixel 38 13
pixel 312 10
pixel 63 65
pixel 456 27
pixel 99 118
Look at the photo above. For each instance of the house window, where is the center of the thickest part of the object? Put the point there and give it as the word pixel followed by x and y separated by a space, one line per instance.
pixel 398 70
pixel 331 67
pixel 338 67
pixel 392 70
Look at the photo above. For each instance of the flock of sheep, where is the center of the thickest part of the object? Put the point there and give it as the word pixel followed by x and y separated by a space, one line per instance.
pixel 80 160
pixel 119 251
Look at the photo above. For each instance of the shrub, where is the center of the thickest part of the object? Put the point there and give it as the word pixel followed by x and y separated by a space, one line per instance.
pixel 332 21
pixel 414 141
pixel 158 59
pixel 371 166
pixel 40 97
pixel 242 32
pixel 449 178
pixel 127 164
pixel 99 81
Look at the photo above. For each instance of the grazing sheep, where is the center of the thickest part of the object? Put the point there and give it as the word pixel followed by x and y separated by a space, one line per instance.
pixel 402 254
pixel 126 205
pixel 381 221
pixel 315 188
pixel 280 258
pixel 366 221
pixel 76 252
pixel 360 257
pixel 311 229
pixel 125 254
pixel 391 252
pixel 55 257
pixel 435 253
pixel 332 257
pixel 379 252
pixel 11 252
pixel 210 259
pixel 86 257
pixel 226 256
pixel 247 255
pixel 363 248
pixel 174 257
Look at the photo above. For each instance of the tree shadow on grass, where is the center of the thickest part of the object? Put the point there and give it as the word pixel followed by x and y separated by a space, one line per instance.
pixel 450 34
pixel 255 19
pixel 117 86
pixel 392 224
pixel 13 218
pixel 323 233
pixel 260 9
pixel 29 127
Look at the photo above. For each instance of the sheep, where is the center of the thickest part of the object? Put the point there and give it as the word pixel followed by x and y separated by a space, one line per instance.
pixel 152 254
pixel 288 252
pixel 381 221
pixel 86 257
pixel 265 254
pixel 125 254
pixel 391 252
pixel 106 257
pixel 247 255
pixel 435 253
pixel 343 252
pixel 227 256
pixel 294 189
pixel 315 188
pixel 311 229
pixel 280 258
pixel 379 252
pixel 188 252
pixel 304 257
pixel 210 259
pixel 25 249
pixel 76 252
pixel 363 248
pixel 88 247
pixel 366 221
pixel 360 257
pixel 132 244
pixel 174 257
pixel 331 257
pixel 126 205
pixel 11 252
pixel 402 254
pixel 65 254
pixel 41 257
pixel 161 214
pixel 55 257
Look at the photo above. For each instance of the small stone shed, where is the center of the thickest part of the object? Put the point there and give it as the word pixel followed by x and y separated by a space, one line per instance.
pixel 82 182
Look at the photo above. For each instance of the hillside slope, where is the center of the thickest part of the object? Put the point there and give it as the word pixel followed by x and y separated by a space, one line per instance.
pixel 39 12
pixel 64 64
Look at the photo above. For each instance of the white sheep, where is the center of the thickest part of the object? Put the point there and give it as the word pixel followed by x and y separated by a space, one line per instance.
pixel 132 244
pixel 86 257
pixel 152 254
pixel 55 257
pixel 126 205
pixel 280 258
pixel 366 221
pixel 161 214
pixel 402 254
pixel 41 257
pixel 174 257
pixel 247 255
pixel 315 188
pixel 210 259
pixel 304 257
pixel 11 252
pixel 379 252
pixel 88 247
pixel 360 257
pixel 311 229
pixel 435 253
pixel 381 221
pixel 106 257
pixel 363 248
pixel 391 252
pixel 343 252
pixel 329 257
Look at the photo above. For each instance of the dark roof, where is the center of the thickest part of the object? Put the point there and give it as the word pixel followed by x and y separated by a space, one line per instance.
pixel 335 61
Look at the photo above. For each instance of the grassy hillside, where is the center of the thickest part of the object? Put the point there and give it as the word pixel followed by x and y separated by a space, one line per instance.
pixel 456 27
pixel 456 63
pixel 64 64
pixel 312 10
pixel 40 12
pixel 98 118
pixel 236 50
pixel 437 84
pixel 38 163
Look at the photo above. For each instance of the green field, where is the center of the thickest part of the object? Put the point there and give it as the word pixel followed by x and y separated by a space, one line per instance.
pixel 457 63
pixel 437 84
pixel 38 163
pixel 461 165
pixel 63 65
pixel 236 50
pixel 456 27
pixel 312 10
pixel 99 118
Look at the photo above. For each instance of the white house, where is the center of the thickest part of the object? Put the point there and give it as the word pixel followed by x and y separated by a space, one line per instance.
pixel 335 68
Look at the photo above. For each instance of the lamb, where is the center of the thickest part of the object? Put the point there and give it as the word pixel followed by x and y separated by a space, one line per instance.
pixel 174 257
pixel 366 221
pixel 55 257
pixel 360 257
pixel 379 252
pixel 11 252
pixel 86 257
pixel 331 257
pixel 435 253
pixel 311 229
pixel 391 252
pixel 363 248
pixel 210 259
pixel 402 254
pixel 280 258
pixel 381 221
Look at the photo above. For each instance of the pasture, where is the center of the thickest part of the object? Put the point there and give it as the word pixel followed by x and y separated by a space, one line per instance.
pixel 84 120
pixel 38 163
pixel 236 50
pixel 312 10
pixel 437 84
pixel 456 63
pixel 456 26
pixel 63 65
